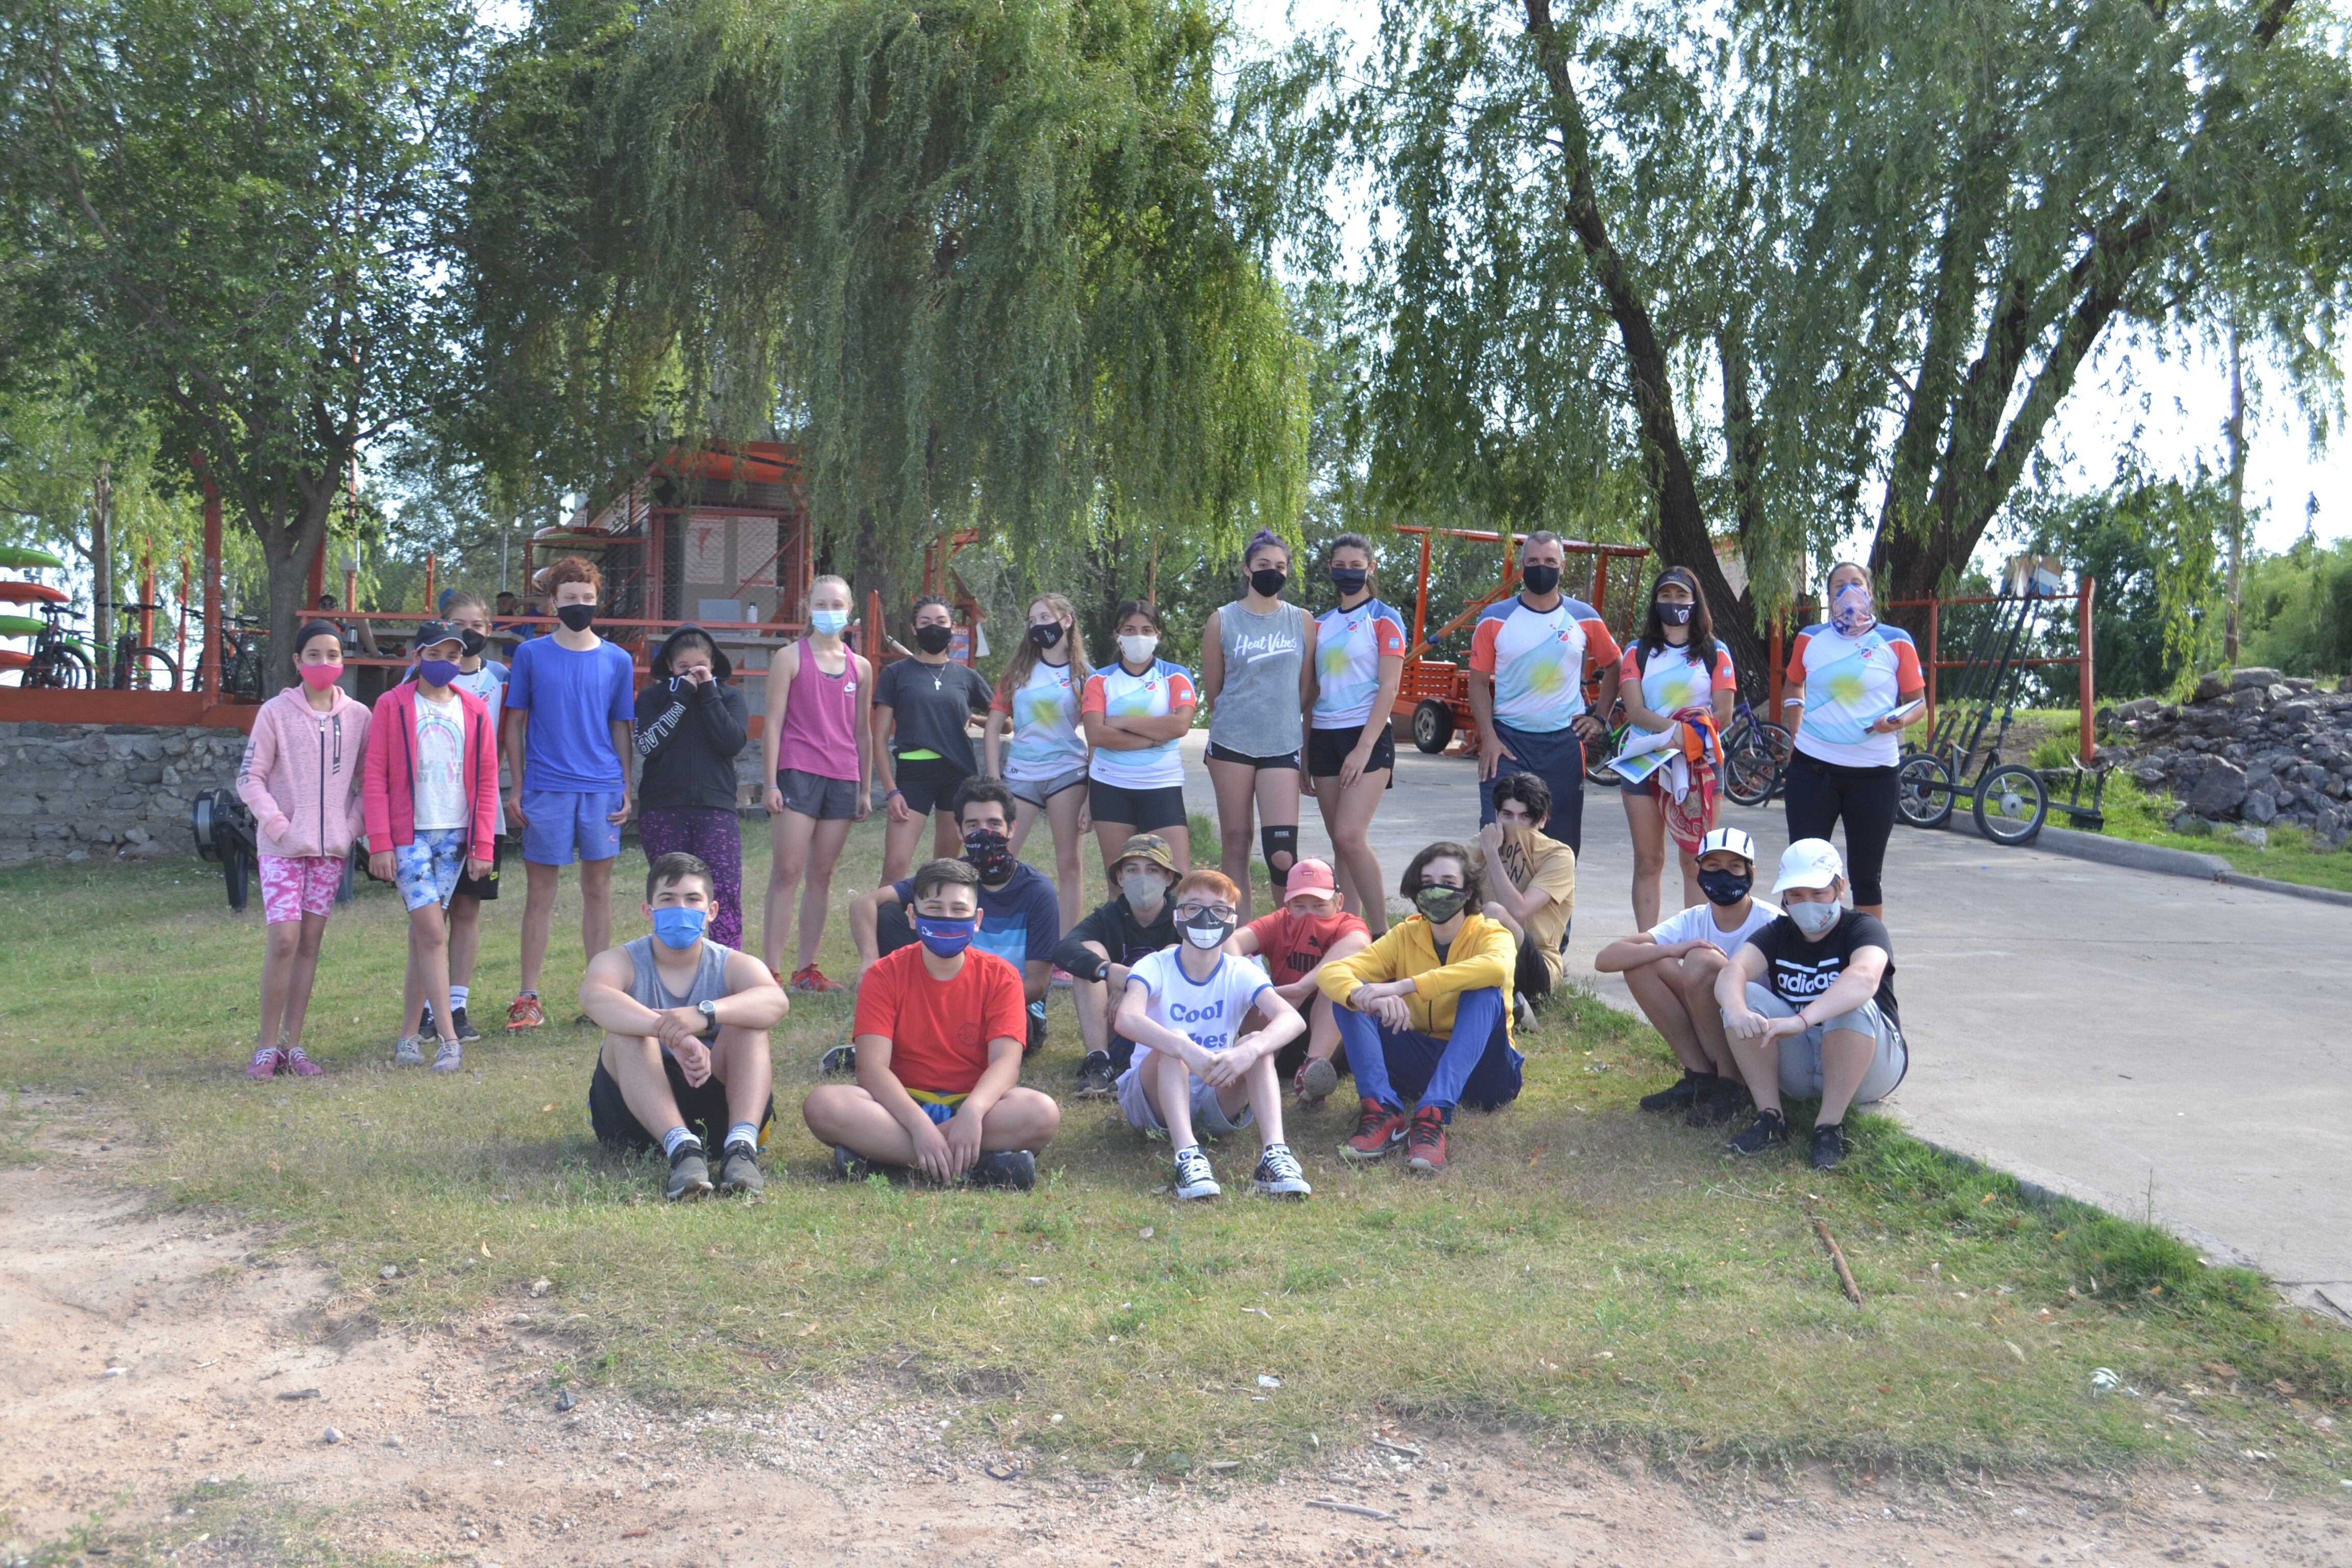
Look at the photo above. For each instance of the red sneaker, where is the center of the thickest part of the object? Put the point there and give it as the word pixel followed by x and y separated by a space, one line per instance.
pixel 524 1013
pixel 265 1062
pixel 1424 1142
pixel 1378 1130
pixel 809 981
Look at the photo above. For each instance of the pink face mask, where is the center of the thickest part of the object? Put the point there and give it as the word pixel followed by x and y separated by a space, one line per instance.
pixel 318 677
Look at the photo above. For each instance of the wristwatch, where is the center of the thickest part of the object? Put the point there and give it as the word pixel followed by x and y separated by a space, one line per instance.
pixel 710 1011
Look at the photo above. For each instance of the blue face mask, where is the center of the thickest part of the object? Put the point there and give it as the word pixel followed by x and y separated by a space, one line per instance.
pixel 831 623
pixel 676 927
pixel 438 671
pixel 946 938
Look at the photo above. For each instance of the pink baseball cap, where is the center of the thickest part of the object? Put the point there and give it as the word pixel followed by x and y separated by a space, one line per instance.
pixel 1310 876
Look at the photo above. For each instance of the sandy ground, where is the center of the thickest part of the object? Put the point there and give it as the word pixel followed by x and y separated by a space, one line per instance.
pixel 143 1356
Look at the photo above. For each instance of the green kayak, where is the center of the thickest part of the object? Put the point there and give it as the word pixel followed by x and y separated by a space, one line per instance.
pixel 20 625
pixel 26 555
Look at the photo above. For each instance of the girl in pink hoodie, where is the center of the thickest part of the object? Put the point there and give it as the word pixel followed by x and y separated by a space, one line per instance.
pixel 300 778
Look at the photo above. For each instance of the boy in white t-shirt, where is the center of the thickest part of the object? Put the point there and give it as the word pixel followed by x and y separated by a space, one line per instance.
pixel 1671 970
pixel 1182 1008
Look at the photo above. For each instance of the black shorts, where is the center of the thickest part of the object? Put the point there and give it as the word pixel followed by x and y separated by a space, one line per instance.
pixel 927 783
pixel 1144 810
pixel 1532 978
pixel 704 1110
pixel 1218 753
pixel 487 888
pixel 1326 751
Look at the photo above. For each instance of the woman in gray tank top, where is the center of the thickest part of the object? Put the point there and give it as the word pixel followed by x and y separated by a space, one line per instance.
pixel 1255 656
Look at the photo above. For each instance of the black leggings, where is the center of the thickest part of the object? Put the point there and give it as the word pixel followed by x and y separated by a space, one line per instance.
pixel 1820 793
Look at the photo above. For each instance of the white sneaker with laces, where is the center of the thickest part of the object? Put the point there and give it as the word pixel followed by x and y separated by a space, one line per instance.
pixel 449 1057
pixel 1278 1174
pixel 1193 1177
pixel 408 1052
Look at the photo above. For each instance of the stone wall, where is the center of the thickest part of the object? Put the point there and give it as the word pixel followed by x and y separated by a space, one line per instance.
pixel 77 791
pixel 2251 748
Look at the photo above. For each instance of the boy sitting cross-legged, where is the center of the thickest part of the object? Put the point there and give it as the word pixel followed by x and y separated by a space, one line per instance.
pixel 938 1035
pixel 1182 1008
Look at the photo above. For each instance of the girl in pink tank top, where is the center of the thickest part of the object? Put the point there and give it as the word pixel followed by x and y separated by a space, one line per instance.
pixel 820 729
pixel 811 748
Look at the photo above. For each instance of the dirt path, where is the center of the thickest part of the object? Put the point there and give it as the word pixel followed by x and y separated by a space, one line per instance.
pixel 232 1367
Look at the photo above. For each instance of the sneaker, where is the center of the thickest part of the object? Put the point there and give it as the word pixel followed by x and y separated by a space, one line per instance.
pixel 449 1057
pixel 265 1063
pixel 689 1172
pixel 1317 1078
pixel 1523 1012
pixel 809 981
pixel 466 1033
pixel 1768 1128
pixel 300 1065
pixel 839 1062
pixel 1829 1147
pixel 1681 1095
pixel 1063 979
pixel 1378 1130
pixel 1729 1100
pixel 739 1171
pixel 1193 1177
pixel 1277 1174
pixel 408 1052
pixel 1012 1169
pixel 1424 1142
pixel 524 1013
pixel 850 1165
pixel 425 1029
pixel 1094 1077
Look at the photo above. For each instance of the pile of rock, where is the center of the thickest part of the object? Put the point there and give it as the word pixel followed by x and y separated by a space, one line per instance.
pixel 2249 748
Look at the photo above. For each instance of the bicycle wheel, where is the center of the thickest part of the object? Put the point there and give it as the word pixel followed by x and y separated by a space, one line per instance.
pixel 66 669
pixel 1597 770
pixel 1922 792
pixel 152 669
pixel 2011 802
pixel 239 872
pixel 1750 772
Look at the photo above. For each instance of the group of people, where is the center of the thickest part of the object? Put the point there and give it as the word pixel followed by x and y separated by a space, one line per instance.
pixel 1196 1019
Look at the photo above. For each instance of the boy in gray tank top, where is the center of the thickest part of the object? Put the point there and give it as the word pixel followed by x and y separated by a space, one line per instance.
pixel 1256 654
pixel 684 1060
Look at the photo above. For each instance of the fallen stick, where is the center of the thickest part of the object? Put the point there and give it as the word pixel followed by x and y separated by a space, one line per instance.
pixel 1406 1450
pixel 1336 1506
pixel 1837 1257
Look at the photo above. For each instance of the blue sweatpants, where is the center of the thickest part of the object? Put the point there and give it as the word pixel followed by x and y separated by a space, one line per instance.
pixel 1475 1064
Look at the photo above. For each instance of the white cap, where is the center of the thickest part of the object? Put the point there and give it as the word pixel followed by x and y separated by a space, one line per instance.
pixel 1809 863
pixel 1731 839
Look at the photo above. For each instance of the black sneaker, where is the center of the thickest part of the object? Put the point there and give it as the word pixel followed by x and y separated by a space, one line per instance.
pixel 1829 1147
pixel 1768 1128
pixel 850 1165
pixel 1692 1088
pixel 689 1172
pixel 739 1171
pixel 1013 1169
pixel 1094 1077
pixel 839 1062
pixel 425 1029
pixel 466 1033
pixel 1729 1098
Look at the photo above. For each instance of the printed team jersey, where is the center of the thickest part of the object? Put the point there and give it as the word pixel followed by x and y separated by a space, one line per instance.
pixel 1349 647
pixel 1044 714
pixel 1115 694
pixel 1538 658
pixel 1672 679
pixel 1849 684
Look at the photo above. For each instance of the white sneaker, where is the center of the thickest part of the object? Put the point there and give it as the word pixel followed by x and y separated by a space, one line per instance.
pixel 1193 1177
pixel 1278 1176
pixel 449 1057
pixel 408 1052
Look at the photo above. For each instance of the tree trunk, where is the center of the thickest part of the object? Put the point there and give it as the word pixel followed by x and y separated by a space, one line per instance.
pixel 287 549
pixel 101 570
pixel 1744 455
pixel 2237 499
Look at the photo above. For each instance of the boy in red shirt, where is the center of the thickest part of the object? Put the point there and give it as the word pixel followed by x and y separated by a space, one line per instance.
pixel 1294 943
pixel 939 1029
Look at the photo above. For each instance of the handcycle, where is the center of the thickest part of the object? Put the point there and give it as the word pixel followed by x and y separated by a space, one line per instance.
pixel 222 825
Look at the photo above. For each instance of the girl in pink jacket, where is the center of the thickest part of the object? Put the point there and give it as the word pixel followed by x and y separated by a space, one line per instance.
pixel 431 792
pixel 300 778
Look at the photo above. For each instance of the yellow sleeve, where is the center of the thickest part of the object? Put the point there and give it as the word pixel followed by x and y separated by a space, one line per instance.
pixel 1339 977
pixel 1489 962
pixel 1559 880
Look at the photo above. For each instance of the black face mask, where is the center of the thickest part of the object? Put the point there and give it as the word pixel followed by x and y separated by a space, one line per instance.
pixel 1349 579
pixel 1540 580
pixel 1725 887
pixel 1268 581
pixel 1673 614
pixel 1047 635
pixel 933 638
pixel 474 643
pixel 577 618
pixel 1439 902
pixel 989 854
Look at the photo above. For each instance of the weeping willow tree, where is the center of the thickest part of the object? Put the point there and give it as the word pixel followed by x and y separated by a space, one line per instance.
pixel 984 259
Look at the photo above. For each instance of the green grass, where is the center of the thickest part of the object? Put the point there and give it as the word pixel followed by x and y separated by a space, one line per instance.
pixel 1583 1270
pixel 2290 856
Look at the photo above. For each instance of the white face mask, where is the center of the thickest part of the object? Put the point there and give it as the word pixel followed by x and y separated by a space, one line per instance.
pixel 1136 649
pixel 1814 919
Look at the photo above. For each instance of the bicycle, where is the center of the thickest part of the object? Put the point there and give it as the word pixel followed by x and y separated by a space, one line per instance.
pixel 136 665
pixel 1756 754
pixel 58 662
pixel 244 659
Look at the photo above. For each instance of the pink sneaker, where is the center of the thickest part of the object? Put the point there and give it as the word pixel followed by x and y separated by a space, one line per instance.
pixel 302 1066
pixel 266 1062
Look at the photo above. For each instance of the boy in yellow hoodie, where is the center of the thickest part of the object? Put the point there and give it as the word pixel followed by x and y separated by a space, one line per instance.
pixel 1424 1013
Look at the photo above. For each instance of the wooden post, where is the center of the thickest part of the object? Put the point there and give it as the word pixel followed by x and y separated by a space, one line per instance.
pixel 1600 582
pixel 2086 685
pixel 1421 598
pixel 428 581
pixel 209 658
pixel 147 597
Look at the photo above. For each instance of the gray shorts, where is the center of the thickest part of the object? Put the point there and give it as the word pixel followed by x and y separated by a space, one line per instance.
pixel 1800 1055
pixel 813 794
pixel 1037 792
pixel 1208 1117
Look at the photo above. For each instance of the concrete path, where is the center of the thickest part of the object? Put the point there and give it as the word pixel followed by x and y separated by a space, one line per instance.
pixel 2160 1046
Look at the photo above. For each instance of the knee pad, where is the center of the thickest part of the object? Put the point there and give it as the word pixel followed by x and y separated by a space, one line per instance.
pixel 1283 842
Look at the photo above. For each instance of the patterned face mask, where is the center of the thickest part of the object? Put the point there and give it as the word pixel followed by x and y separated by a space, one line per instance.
pixel 1850 610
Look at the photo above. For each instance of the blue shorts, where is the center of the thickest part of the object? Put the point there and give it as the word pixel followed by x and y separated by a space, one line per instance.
pixel 561 823
pixel 426 869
